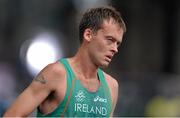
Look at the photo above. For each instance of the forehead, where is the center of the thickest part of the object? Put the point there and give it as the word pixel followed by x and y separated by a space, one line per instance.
pixel 112 28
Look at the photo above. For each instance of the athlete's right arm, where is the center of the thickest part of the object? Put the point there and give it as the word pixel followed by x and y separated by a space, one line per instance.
pixel 33 95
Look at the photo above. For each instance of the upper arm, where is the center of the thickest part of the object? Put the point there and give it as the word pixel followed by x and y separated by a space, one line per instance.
pixel 33 95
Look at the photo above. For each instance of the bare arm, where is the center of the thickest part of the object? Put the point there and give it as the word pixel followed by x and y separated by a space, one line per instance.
pixel 30 98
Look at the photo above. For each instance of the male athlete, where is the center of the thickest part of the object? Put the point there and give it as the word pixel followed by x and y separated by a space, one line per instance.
pixel 76 86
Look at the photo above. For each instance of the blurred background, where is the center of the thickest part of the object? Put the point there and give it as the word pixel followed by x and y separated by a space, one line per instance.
pixel 34 33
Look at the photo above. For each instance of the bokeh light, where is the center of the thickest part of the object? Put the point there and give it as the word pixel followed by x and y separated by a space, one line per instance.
pixel 41 51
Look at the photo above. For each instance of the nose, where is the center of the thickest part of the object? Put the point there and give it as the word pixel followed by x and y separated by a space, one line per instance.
pixel 115 49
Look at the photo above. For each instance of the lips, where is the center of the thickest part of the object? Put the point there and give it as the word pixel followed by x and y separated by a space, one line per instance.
pixel 109 57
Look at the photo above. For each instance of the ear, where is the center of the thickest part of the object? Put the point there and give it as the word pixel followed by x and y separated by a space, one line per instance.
pixel 88 34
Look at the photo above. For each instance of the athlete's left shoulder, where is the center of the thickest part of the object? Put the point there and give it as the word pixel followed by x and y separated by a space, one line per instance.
pixel 114 88
pixel 112 82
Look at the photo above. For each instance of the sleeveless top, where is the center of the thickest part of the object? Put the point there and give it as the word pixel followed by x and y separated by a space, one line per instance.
pixel 79 102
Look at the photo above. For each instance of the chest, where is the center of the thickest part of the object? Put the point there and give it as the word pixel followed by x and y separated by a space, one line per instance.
pixel 85 103
pixel 90 85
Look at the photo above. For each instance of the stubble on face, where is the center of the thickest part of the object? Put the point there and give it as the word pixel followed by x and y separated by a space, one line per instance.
pixel 102 51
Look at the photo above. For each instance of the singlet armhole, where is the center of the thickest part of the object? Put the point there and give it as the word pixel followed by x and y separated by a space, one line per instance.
pixel 61 104
pixel 105 85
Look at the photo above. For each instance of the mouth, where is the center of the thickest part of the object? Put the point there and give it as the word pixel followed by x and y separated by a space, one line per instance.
pixel 108 58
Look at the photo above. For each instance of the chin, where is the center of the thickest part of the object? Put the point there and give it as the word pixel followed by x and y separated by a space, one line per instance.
pixel 104 65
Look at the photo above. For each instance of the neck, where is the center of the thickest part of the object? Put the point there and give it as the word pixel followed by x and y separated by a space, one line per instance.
pixel 83 65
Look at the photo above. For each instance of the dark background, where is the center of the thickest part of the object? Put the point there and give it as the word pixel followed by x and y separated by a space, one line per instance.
pixel 147 66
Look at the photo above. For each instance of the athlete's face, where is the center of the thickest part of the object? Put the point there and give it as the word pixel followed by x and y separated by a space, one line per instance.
pixel 105 42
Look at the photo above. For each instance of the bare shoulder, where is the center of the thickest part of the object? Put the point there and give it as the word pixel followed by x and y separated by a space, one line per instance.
pixel 51 75
pixel 112 82
pixel 54 69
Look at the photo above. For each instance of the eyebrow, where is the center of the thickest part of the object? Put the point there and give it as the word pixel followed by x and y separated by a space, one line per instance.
pixel 114 39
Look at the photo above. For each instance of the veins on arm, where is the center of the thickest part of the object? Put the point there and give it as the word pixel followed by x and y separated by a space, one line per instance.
pixel 40 79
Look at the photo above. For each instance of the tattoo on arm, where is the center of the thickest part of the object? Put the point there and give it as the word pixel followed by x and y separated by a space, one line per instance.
pixel 40 79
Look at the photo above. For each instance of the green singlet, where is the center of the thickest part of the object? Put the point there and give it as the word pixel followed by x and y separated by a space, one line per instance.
pixel 79 102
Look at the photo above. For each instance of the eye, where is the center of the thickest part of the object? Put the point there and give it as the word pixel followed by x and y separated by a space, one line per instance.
pixel 110 39
pixel 118 44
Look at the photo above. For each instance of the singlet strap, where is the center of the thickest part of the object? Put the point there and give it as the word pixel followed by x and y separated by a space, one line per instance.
pixel 105 86
pixel 68 68
pixel 102 79
pixel 68 100
pixel 70 83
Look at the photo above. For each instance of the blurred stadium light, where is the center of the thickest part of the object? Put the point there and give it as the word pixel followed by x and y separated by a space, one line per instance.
pixel 41 51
